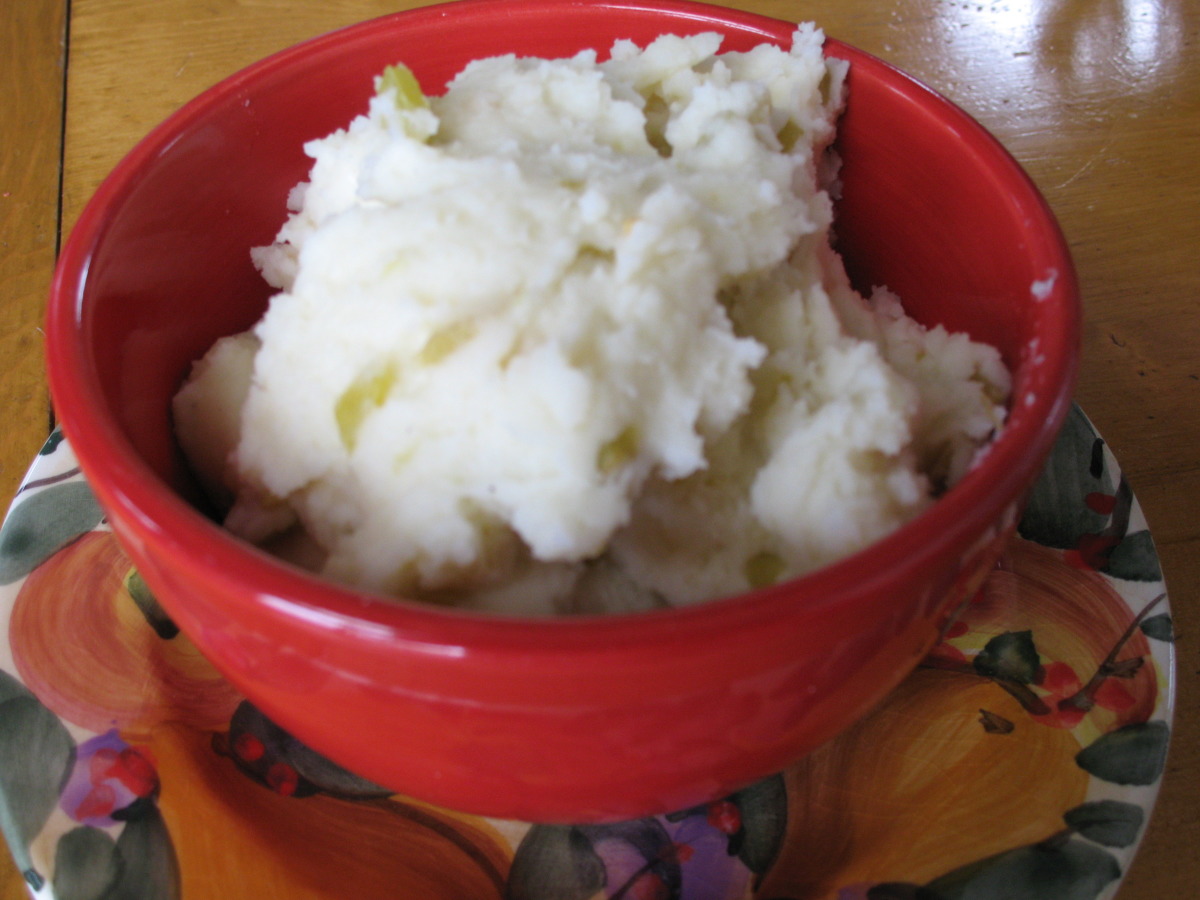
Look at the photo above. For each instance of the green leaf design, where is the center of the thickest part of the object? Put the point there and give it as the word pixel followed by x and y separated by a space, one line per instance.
pixel 138 865
pixel 315 771
pixel 40 526
pixel 763 806
pixel 36 756
pixel 1134 754
pixel 156 616
pixel 1052 870
pixel 149 868
pixel 86 864
pixel 11 688
pixel 555 861
pixel 52 442
pixel 1159 627
pixel 1057 514
pixel 1011 656
pixel 328 776
pixel 1135 559
pixel 1112 823
pixel 560 862
pixel 652 842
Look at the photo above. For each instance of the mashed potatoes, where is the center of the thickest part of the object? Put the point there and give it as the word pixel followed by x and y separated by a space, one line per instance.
pixel 571 337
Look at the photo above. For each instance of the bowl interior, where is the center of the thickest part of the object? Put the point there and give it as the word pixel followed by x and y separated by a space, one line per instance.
pixel 159 267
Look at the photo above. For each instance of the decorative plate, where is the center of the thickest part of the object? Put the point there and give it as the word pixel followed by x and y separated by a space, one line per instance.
pixel 1019 761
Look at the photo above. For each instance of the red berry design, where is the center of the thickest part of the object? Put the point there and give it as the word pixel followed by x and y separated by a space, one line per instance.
pixel 957 629
pixel 725 817
pixel 136 772
pixel 1111 694
pixel 101 764
pixel 282 779
pixel 1059 678
pixel 99 802
pixel 1092 552
pixel 249 748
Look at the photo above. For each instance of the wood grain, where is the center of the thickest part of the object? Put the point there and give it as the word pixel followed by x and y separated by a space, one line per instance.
pixel 1098 99
pixel 31 68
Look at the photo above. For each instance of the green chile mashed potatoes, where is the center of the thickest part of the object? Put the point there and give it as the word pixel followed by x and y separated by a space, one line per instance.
pixel 571 338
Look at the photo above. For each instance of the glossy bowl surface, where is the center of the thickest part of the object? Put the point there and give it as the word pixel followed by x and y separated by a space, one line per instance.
pixel 544 720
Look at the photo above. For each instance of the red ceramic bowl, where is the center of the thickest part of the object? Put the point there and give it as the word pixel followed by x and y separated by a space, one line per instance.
pixel 546 720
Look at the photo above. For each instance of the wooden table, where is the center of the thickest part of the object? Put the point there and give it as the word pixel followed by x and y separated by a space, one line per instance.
pixel 1099 100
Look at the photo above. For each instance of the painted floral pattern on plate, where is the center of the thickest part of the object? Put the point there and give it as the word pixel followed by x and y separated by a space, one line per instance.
pixel 1019 761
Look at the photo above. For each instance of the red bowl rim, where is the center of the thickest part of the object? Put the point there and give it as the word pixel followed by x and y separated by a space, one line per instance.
pixel 134 493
